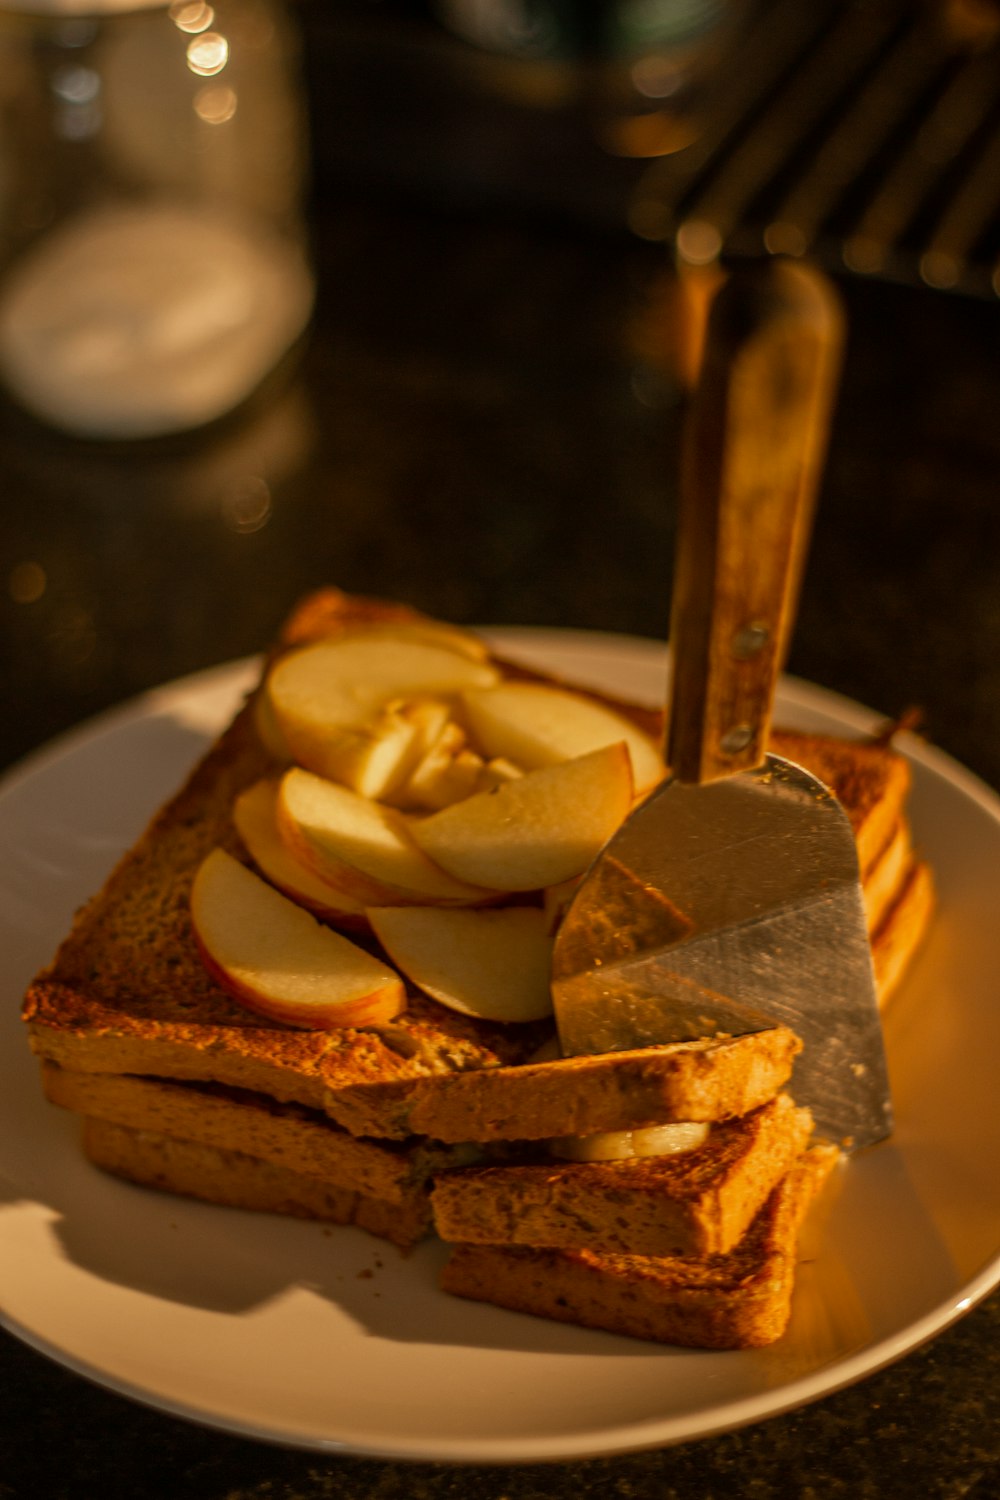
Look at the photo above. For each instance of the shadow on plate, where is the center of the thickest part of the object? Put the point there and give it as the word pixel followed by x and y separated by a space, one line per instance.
pixel 851 1293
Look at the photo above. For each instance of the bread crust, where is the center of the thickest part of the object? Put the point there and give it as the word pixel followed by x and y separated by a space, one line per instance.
pixel 128 993
pixel 902 928
pixel 240 1111
pixel 707 1079
pixel 696 1202
pixel 739 1300
pixel 288 1135
pixel 235 1179
pixel 869 778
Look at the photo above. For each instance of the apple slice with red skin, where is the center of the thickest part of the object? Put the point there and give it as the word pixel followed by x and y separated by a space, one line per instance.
pixel 255 817
pixel 276 959
pixel 363 847
pixel 537 724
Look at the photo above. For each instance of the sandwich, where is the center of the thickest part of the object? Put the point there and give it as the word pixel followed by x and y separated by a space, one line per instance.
pixel 740 1299
pixel 317 985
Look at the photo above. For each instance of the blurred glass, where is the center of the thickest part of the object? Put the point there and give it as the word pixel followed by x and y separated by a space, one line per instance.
pixel 634 63
pixel 154 266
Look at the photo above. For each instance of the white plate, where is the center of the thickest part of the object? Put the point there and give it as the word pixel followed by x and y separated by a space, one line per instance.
pixel 332 1340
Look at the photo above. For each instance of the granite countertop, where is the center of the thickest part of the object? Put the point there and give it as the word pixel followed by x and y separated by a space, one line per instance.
pixel 476 425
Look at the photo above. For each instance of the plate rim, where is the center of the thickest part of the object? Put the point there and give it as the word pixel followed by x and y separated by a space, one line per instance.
pixel 646 1433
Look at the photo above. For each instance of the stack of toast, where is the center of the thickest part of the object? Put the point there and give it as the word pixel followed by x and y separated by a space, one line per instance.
pixel 656 1192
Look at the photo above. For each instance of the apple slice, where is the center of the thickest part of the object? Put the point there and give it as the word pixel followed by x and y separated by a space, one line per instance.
pixel 255 817
pixel 363 847
pixel 534 724
pixel 374 759
pixel 621 1145
pixel 379 758
pixel 276 959
pixel 540 829
pixel 328 699
pixel 447 771
pixel 496 771
pixel 493 964
pixel 426 719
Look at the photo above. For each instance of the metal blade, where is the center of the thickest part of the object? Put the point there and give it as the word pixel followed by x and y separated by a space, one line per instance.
pixel 731 907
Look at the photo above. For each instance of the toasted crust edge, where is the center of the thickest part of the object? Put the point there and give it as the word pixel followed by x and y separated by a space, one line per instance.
pixel 67 1024
pixel 698 1202
pixel 235 1179
pixel 709 1079
pixel 291 1137
pixel 737 1301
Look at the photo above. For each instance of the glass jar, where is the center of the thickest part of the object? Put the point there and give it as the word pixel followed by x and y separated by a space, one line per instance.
pixel 154 266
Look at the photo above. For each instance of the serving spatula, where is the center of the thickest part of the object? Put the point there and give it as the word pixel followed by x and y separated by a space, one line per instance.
pixel 730 900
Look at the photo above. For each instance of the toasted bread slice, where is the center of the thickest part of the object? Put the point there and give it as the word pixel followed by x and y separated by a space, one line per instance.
pixel 707 1079
pixel 128 993
pixel 868 777
pixel 738 1300
pixel 888 875
pixel 291 1136
pixel 695 1202
pixel 902 928
pixel 235 1179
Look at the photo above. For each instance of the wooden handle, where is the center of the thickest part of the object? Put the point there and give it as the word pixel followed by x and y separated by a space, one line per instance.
pixel 753 453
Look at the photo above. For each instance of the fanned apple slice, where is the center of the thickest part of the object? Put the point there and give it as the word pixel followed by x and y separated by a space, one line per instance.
pixel 493 964
pixel 371 760
pixel 540 829
pixel 277 960
pixel 362 847
pixel 447 771
pixel 378 759
pixel 534 724
pixel 327 699
pixel 256 821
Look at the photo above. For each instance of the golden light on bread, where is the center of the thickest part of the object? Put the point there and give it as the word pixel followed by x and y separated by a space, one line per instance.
pixel 182 1087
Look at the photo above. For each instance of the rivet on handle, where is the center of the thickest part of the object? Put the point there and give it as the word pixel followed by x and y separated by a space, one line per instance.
pixel 750 639
pixel 736 739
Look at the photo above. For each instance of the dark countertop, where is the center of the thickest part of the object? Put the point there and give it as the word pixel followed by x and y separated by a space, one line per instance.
pixel 474 426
